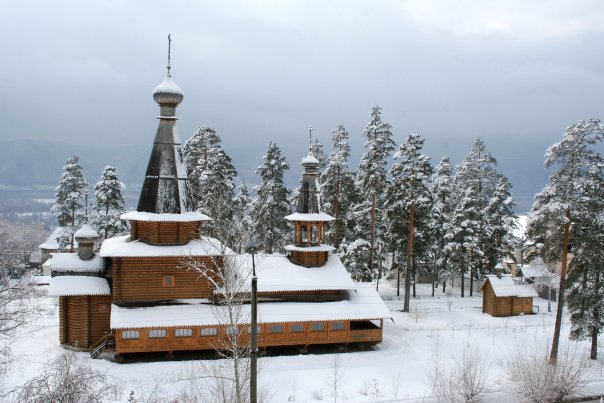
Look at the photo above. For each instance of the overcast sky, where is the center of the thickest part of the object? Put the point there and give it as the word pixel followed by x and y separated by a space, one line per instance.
pixel 514 73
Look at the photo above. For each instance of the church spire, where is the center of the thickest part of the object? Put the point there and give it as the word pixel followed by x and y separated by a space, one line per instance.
pixel 166 186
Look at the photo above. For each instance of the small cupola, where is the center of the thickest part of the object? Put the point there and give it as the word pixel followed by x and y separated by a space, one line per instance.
pixel 86 238
pixel 310 224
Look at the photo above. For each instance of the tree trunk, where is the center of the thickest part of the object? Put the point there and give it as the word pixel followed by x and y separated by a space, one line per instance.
pixel 372 235
pixel 433 278
pixel 336 211
pixel 553 358
pixel 463 272
pixel 414 278
pixel 398 276
pixel 444 285
pixel 409 260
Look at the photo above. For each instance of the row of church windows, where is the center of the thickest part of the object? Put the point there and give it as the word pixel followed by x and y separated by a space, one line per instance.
pixel 232 330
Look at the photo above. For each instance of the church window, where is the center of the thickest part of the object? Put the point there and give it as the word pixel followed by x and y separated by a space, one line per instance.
pixel 336 326
pixel 183 332
pixel 304 231
pixel 209 331
pixel 169 280
pixel 276 328
pixel 157 334
pixel 318 327
pixel 130 334
pixel 296 328
pixel 314 234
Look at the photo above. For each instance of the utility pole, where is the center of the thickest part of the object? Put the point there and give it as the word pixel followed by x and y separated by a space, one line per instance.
pixel 251 247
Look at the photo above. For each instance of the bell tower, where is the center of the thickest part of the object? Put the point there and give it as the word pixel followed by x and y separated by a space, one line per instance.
pixel 310 224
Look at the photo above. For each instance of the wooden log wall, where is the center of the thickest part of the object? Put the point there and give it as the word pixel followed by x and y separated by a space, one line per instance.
pixel 269 336
pixel 145 279
pixel 310 259
pixel 165 233
pixel 504 306
pixel 83 319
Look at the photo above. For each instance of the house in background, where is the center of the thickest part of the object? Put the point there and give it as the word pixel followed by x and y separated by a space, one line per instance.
pixel 502 297
pixel 139 293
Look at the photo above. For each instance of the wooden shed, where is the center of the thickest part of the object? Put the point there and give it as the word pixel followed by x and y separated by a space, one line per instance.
pixel 502 297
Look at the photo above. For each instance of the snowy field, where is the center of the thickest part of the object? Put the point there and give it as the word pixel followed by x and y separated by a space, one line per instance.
pixel 394 371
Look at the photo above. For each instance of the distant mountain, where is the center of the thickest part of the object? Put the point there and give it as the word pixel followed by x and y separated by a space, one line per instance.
pixel 29 162
pixel 39 163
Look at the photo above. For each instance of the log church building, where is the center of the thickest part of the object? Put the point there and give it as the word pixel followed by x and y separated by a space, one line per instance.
pixel 137 293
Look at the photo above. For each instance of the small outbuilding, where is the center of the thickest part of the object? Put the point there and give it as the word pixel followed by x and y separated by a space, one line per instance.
pixel 502 297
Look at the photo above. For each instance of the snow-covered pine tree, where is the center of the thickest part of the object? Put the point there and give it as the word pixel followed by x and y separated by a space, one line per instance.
pixel 462 246
pixel 317 150
pixel 477 171
pixel 500 224
pixel 407 204
pixel 68 200
pixel 586 269
pixel 440 217
pixel 337 185
pixel 108 203
pixel 242 217
pixel 574 158
pixel 371 179
pixel 355 257
pixel 212 177
pixel 271 202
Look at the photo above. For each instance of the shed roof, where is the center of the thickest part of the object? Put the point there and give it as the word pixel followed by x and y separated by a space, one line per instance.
pixel 504 286
pixel 530 271
pixel 71 262
pixel 364 305
pixel 78 285
pixel 52 240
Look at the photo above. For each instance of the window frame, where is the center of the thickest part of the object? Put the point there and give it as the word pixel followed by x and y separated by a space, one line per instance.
pixel 336 325
pixel 315 325
pixel 129 335
pixel 168 280
pixel 208 331
pixel 157 333
pixel 297 328
pixel 276 328
pixel 183 330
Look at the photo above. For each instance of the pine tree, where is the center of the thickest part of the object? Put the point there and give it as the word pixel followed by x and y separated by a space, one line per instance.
pixel 212 176
pixel 68 200
pixel 574 158
pixel 242 218
pixel 463 237
pixel 440 220
pixel 586 269
pixel 271 202
pixel 477 171
pixel 337 184
pixel 108 203
pixel 371 178
pixel 408 202
pixel 355 257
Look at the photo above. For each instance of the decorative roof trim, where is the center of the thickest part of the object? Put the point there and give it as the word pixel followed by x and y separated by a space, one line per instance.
pixel 165 217
pixel 309 217
pixel 320 248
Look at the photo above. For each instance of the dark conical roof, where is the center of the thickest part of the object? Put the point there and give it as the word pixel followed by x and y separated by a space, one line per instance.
pixel 308 199
pixel 166 186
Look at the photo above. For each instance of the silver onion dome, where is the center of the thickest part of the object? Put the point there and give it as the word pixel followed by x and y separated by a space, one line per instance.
pixel 168 93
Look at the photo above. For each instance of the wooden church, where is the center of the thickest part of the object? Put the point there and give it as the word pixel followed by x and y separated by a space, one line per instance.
pixel 138 294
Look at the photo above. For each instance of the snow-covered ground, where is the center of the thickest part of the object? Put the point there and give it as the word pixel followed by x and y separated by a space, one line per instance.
pixel 394 371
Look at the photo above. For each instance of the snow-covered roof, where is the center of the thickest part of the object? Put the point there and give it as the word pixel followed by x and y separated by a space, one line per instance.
pixel 504 286
pixel 78 285
pixel 310 159
pixel 165 217
pixel 309 217
pixel 320 248
pixel 121 246
pixel 365 304
pixel 62 262
pixel 51 242
pixel 276 273
pixel 86 232
pixel 529 271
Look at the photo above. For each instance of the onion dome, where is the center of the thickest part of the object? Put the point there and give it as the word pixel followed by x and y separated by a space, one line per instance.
pixel 168 93
pixel 310 161
pixel 86 232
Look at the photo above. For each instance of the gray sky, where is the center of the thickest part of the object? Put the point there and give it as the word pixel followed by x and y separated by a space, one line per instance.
pixel 514 73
